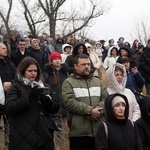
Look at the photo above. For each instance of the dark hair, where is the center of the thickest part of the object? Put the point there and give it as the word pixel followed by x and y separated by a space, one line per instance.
pixel 25 63
pixel 110 41
pixel 123 59
pixel 117 68
pixel 20 40
pixel 80 56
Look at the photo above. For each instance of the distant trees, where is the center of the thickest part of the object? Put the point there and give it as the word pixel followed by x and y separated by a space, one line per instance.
pixel 56 15
pixel 6 17
pixel 141 29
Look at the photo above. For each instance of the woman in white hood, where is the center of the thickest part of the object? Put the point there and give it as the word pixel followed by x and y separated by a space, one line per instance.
pixel 111 58
pixel 116 78
pixel 67 50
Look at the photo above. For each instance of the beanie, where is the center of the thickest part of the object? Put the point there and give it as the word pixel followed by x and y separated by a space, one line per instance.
pixel 54 55
pixel 117 99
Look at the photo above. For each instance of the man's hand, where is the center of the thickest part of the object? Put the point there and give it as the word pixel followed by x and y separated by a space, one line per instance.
pixel 95 114
pixel 6 86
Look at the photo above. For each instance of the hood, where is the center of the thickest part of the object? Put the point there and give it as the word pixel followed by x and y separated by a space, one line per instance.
pixel 145 108
pixel 88 45
pixel 66 45
pixel 109 109
pixel 98 43
pixel 75 49
pixel 126 48
pixel 110 51
pixel 111 80
pixel 60 38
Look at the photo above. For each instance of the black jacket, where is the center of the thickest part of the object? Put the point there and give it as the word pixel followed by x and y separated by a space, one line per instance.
pixel 7 74
pixel 122 134
pixel 29 126
pixel 143 123
pixel 38 55
pixel 16 56
pixel 145 64
pixel 61 75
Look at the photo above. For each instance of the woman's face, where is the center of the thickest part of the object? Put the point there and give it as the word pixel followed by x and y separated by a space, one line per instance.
pixel 119 109
pixel 56 62
pixel 80 49
pixel 127 65
pixel 31 72
pixel 119 76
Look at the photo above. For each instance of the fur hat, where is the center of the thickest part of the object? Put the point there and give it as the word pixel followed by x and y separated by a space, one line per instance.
pixel 54 55
pixel 117 99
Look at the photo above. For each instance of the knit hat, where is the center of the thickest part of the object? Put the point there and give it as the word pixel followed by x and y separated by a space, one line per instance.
pixel 32 41
pixel 117 99
pixel 54 55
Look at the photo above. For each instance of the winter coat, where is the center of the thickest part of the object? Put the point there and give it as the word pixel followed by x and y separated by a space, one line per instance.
pixel 64 55
pixel 80 96
pixel 17 56
pixel 58 45
pixel 38 55
pixel 29 124
pixel 114 87
pixel 122 134
pixel 144 123
pixel 110 60
pixel 145 64
pixel 7 74
pixel 61 75
pixel 135 82
pixel 96 62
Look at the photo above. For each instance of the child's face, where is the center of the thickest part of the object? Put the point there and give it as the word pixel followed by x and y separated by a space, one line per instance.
pixel 68 50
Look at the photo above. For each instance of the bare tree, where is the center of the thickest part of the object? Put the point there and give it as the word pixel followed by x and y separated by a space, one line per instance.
pixel 141 29
pixel 33 17
pixel 6 17
pixel 73 20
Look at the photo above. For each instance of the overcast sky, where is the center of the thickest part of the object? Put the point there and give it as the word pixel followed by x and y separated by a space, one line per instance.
pixel 121 19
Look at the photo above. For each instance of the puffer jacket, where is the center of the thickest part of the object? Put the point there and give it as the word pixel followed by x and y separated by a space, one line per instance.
pixel 114 87
pixel 29 130
pixel 80 96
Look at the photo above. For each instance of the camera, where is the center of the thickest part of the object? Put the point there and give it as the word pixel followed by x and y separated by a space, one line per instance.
pixel 43 90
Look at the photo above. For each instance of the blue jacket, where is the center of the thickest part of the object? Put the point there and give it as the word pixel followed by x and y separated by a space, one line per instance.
pixel 135 82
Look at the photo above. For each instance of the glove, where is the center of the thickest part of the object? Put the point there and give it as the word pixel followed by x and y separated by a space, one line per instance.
pixel 34 94
pixel 46 100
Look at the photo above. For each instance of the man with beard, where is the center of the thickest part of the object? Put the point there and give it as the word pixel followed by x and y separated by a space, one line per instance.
pixel 83 97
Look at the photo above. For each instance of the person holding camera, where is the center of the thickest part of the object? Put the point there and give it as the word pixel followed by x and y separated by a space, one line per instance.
pixel 135 81
pixel 29 105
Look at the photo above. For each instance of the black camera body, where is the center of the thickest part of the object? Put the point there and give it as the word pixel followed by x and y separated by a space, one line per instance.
pixel 43 90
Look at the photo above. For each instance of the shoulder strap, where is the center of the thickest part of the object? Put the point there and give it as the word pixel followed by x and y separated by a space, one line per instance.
pixel 132 123
pixel 106 129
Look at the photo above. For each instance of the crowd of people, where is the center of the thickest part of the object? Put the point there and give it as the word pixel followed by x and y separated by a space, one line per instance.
pixel 74 94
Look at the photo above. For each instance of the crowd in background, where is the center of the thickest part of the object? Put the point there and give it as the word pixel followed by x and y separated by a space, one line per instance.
pixel 124 62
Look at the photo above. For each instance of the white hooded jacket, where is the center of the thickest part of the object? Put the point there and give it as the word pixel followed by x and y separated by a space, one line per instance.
pixel 109 60
pixel 114 87
pixel 64 54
